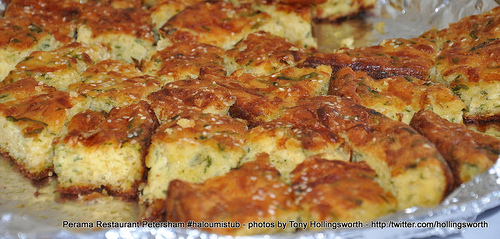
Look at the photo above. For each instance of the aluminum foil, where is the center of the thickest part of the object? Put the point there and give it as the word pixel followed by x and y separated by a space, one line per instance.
pixel 26 211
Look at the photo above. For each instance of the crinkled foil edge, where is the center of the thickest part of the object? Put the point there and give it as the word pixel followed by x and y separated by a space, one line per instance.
pixel 464 204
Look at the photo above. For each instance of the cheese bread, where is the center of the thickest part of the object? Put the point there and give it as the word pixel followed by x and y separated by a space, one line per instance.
pixel 468 153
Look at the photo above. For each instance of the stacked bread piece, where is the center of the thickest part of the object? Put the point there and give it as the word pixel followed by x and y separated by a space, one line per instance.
pixel 224 111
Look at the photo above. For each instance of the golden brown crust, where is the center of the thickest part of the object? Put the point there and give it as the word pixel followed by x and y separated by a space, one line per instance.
pixel 263 98
pixel 303 1
pixel 366 127
pixel 217 23
pixel 115 143
pixel 311 137
pixel 458 145
pixel 470 31
pixel 58 17
pixel 340 191
pixel 59 67
pixel 36 113
pixel 262 53
pixel 395 57
pixel 397 97
pixel 392 148
pixel 20 33
pixel 472 74
pixel 203 95
pixel 103 19
pixel 183 60
pixel 112 83
pixel 250 193
pixel 219 130
pixel 22 89
pixel 136 122
pixel 473 64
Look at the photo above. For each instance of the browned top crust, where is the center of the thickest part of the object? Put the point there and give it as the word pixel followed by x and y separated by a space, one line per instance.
pixel 123 4
pixel 311 137
pixel 471 31
pixel 252 192
pixel 40 112
pixel 397 97
pixel 20 33
pixel 58 17
pixel 303 1
pixel 22 89
pixel 263 98
pixel 134 123
pixel 115 83
pixel 203 95
pixel 478 63
pixel 396 57
pixel 400 146
pixel 305 121
pixel 104 19
pixel 264 51
pixel 331 190
pixel 472 74
pixel 213 22
pixel 303 10
pixel 457 144
pixel 71 57
pixel 184 60
pixel 219 130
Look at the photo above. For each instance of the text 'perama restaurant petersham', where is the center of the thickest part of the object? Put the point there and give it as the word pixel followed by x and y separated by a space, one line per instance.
pixel 276 224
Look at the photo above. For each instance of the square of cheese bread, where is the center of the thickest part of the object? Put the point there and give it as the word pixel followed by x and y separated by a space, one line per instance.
pixel 250 193
pixel 291 139
pixel 105 151
pixel 397 97
pixel 193 94
pixel 112 83
pixel 192 146
pixel 472 74
pixel 30 124
pixel 261 99
pixel 183 60
pixel 468 153
pixel 60 67
pixel 406 162
pixel 262 53
pixel 127 32
pixel 339 191
pixel 20 37
pixel 467 63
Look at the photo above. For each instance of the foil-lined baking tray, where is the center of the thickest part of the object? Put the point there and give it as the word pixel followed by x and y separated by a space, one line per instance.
pixel 30 210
